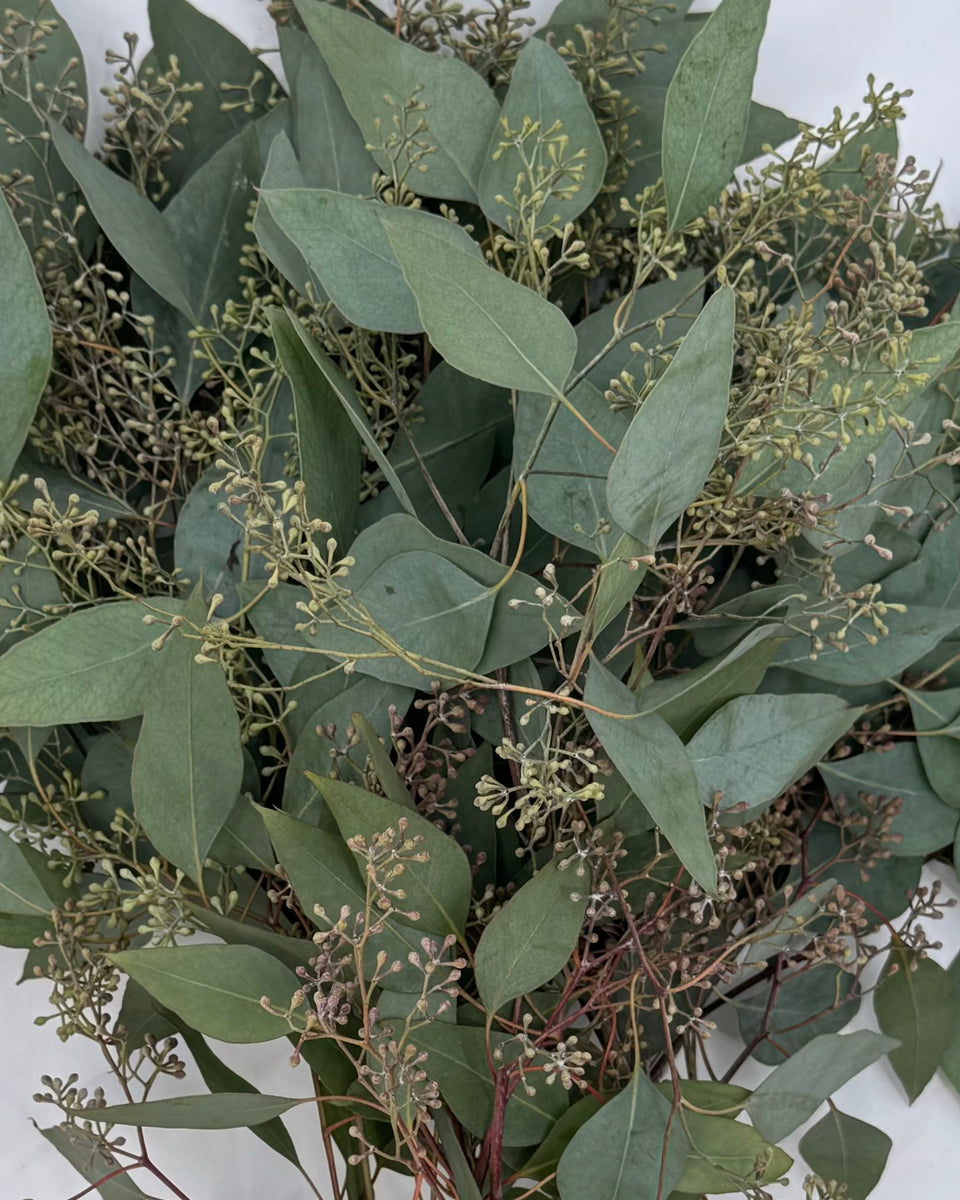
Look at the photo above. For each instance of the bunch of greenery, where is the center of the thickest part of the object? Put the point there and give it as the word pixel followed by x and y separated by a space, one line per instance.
pixel 482 557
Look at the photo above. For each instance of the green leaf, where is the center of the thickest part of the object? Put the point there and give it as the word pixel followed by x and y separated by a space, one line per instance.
pixel 92 1164
pixel 530 939
pixel 207 220
pixel 323 873
pixel 26 885
pixel 438 889
pixel 950 1059
pixel 850 1151
pixel 223 1110
pixel 216 989
pixel 619 1153
pixel 26 351
pixel 514 633
pixel 672 443
pixel 460 114
pixel 724 1154
pixel 243 841
pixel 93 665
pixel 755 747
pixel 137 230
pixel 458 1062
pixel 372 698
pixel 795 1090
pixel 481 322
pixel 141 1017
pixel 343 241
pixel 686 700
pixel 918 1003
pixel 329 448
pixel 707 107
pixel 567 488
pixel 924 824
pixel 911 635
pixel 236 84
pixel 282 171
pixel 294 952
pixel 542 89
pixel 53 77
pixel 188 764
pixel 466 1185
pixel 208 545
pixel 653 761
pixel 788 923
pixel 387 775
pixel 808 1002
pixel 330 146
pixel 937 714
pixel 435 616
pixel 546 1157
pixel 330 378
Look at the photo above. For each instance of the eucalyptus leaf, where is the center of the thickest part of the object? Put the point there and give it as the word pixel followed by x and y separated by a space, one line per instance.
pixel 796 1089
pixel 331 149
pixel 92 665
pixel 235 83
pixel 623 1151
pixel 438 889
pixel 93 1165
pixel 26 885
pixel 924 823
pixel 708 105
pixel 26 352
pixel 188 764
pixel 221 1110
pixel 483 323
pixel 655 764
pixel 327 442
pixel 911 635
pixel 216 989
pixel 808 1002
pixel 542 90
pixel 461 110
pixel 850 1151
pixel 282 171
pixel 672 443
pixel 134 226
pixel 530 939
pixel 936 717
pixel 755 747
pixel 918 1003
pixel 724 1154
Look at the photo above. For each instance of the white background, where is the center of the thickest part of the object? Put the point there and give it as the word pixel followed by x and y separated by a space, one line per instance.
pixel 816 54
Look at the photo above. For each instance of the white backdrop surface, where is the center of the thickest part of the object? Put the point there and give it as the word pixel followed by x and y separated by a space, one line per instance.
pixel 816 54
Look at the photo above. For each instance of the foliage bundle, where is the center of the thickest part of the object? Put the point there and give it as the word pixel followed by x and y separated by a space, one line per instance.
pixel 481 554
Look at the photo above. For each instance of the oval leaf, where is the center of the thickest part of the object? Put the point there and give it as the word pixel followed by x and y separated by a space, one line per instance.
pixel 530 939
pixel 222 1110
pixel 94 665
pixel 482 323
pixel 460 110
pixel 188 764
pixel 619 1153
pixel 672 443
pixel 216 989
pixel 653 761
pixel 438 889
pixel 708 106
pixel 26 350
pixel 850 1151
pixel 918 1003
pixel 542 90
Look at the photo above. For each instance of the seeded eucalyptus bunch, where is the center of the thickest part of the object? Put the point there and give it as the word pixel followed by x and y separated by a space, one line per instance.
pixel 479 597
